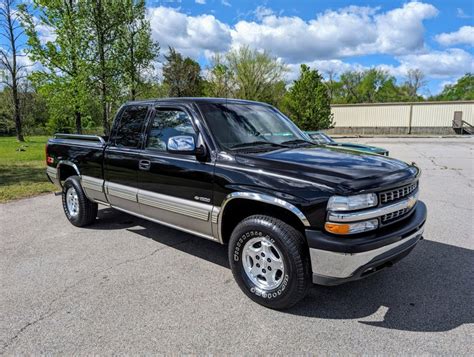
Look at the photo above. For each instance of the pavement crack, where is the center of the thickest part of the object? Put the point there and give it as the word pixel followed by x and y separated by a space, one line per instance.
pixel 148 255
pixel 26 326
pixel 63 294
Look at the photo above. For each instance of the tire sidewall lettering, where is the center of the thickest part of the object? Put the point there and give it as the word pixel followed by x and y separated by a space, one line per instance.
pixel 273 294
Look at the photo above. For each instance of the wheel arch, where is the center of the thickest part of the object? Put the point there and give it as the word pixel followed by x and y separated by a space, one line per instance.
pixel 66 169
pixel 236 207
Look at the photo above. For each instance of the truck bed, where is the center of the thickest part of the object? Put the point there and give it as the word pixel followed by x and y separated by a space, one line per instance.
pixel 82 153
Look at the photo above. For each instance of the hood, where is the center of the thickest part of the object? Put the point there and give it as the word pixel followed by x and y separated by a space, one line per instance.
pixel 345 169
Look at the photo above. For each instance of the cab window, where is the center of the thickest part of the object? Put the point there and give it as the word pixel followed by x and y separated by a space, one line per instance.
pixel 167 123
pixel 130 126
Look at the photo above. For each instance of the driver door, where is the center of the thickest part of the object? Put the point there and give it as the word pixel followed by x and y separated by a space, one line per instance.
pixel 174 189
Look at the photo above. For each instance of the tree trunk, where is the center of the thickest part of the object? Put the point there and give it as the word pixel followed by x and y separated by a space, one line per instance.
pixel 16 114
pixel 77 115
pixel 14 72
pixel 103 99
pixel 133 91
pixel 103 69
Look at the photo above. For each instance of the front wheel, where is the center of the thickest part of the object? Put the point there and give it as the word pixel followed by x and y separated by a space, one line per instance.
pixel 269 261
pixel 79 210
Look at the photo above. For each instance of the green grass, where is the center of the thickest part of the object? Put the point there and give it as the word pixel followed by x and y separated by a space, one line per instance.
pixel 23 173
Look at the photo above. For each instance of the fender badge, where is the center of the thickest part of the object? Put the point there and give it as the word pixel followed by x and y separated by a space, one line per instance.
pixel 202 199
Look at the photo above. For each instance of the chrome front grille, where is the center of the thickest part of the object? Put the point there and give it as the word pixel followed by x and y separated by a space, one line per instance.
pixel 387 218
pixel 394 206
pixel 398 193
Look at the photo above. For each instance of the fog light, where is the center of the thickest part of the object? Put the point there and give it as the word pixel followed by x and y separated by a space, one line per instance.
pixel 351 228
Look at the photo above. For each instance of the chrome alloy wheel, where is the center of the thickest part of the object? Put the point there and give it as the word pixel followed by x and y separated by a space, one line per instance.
pixel 72 202
pixel 263 263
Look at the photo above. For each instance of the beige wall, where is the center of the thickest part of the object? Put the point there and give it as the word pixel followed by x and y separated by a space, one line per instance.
pixel 432 114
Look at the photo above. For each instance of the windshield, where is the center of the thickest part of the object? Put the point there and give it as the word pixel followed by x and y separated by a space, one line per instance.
pixel 241 125
pixel 320 138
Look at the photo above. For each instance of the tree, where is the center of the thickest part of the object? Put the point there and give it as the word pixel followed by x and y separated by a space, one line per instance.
pixel 350 83
pixel 182 75
pixel 307 101
pixel 332 84
pixel 415 80
pixel 106 20
pixel 65 59
pixel 219 81
pixel 34 112
pixel 255 75
pixel 11 72
pixel 463 89
pixel 370 86
pixel 138 46
pixel 7 124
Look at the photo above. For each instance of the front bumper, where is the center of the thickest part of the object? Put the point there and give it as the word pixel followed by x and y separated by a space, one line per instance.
pixel 336 260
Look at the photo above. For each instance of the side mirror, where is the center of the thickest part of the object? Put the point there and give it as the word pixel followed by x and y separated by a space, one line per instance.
pixel 181 144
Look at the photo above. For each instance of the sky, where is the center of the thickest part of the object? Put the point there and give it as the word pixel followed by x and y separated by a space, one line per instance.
pixel 333 35
pixel 435 36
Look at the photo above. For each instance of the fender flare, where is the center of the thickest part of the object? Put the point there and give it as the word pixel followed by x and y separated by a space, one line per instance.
pixel 252 196
pixel 66 163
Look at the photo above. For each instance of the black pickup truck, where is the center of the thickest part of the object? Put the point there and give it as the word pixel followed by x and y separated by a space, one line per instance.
pixel 241 173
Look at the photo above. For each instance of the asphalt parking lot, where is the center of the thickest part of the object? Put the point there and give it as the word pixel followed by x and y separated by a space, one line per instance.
pixel 125 285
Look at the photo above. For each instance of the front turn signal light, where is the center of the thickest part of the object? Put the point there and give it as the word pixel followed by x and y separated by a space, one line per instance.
pixel 337 228
pixel 351 228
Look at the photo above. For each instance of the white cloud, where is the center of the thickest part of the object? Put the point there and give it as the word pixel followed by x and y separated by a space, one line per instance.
pixel 446 83
pixel 336 67
pixel 262 11
pixel 447 65
pixel 333 34
pixel 226 3
pixel 45 32
pixel 190 35
pixel 322 42
pixel 200 2
pixel 436 64
pixel 338 33
pixel 401 30
pixel 465 35
pixel 24 63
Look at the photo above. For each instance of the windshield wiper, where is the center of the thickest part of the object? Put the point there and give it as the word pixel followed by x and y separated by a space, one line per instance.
pixel 255 144
pixel 296 142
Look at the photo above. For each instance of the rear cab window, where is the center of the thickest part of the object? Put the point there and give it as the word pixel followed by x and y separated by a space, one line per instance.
pixel 129 128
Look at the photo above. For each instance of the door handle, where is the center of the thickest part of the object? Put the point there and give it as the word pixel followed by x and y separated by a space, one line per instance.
pixel 144 165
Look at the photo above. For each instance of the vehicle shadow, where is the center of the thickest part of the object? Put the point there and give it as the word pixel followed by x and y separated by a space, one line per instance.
pixel 109 218
pixel 430 290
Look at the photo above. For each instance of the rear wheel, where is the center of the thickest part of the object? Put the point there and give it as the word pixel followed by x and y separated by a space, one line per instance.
pixel 79 210
pixel 269 260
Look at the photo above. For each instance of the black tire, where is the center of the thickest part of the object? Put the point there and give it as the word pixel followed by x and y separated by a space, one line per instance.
pixel 295 280
pixel 87 210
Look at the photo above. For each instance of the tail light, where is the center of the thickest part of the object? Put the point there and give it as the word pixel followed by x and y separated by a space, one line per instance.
pixel 49 159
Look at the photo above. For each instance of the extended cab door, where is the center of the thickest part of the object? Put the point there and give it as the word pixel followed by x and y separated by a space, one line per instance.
pixel 175 189
pixel 122 157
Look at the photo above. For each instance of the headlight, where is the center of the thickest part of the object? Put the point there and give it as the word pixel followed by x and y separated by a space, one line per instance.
pixel 352 203
pixel 351 228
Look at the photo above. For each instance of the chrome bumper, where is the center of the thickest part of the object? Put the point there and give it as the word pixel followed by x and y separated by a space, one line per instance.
pixel 52 174
pixel 333 268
